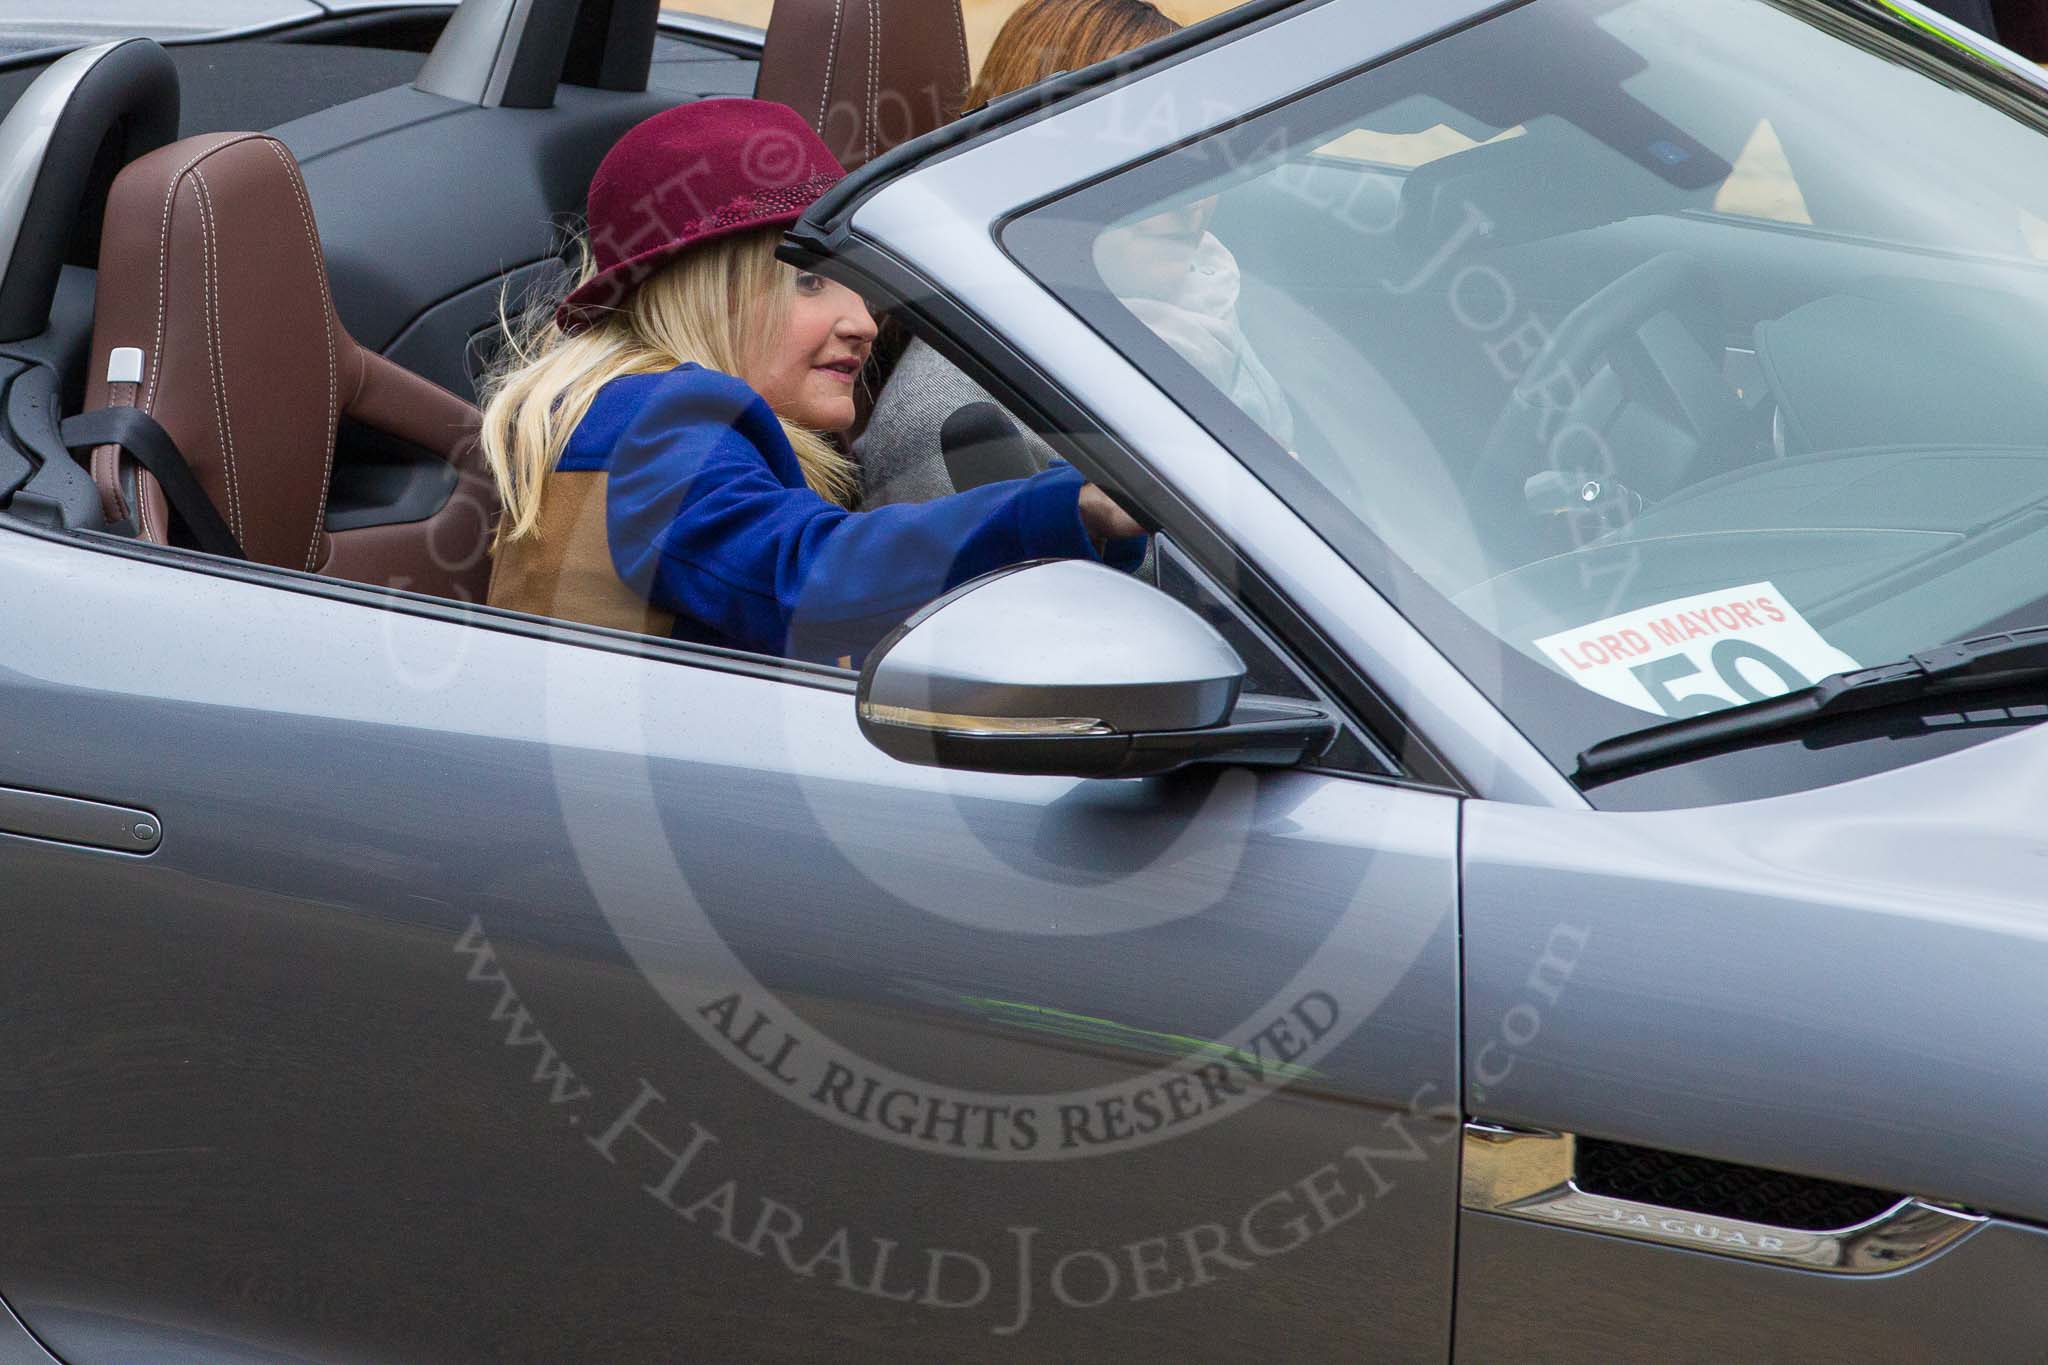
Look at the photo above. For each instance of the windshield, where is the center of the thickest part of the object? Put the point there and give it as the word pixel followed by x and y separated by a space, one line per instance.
pixel 1653 355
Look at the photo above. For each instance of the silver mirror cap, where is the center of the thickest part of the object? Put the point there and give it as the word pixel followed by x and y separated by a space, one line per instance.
pixel 1053 647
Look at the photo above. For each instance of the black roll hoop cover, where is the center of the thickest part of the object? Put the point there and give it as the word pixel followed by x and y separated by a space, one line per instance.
pixel 125 106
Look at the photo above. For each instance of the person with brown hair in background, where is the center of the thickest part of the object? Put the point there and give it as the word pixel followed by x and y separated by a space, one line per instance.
pixel 1046 36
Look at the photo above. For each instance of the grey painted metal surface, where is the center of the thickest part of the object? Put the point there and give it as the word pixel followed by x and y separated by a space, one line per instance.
pixel 437 905
pixel 1539 1295
pixel 25 136
pixel 1843 982
pixel 941 220
pixel 18 1345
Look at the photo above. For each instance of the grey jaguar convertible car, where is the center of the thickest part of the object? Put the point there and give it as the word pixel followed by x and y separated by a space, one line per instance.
pixel 1548 862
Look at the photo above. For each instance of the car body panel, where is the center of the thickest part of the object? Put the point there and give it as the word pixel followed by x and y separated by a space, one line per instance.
pixel 289 1068
pixel 1842 982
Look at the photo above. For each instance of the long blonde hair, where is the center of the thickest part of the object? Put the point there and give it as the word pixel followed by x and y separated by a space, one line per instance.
pixel 718 306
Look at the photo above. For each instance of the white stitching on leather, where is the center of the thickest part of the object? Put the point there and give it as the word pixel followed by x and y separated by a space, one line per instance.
pixel 222 419
pixel 874 73
pixel 146 394
pixel 163 267
pixel 831 63
pixel 960 37
pixel 327 327
pixel 154 360
pixel 141 503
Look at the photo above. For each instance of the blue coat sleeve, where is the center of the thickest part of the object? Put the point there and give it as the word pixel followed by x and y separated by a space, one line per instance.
pixel 709 517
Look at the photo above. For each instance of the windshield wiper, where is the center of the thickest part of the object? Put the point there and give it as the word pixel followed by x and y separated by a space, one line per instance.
pixel 1989 661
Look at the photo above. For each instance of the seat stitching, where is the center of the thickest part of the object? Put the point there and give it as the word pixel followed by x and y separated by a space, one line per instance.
pixel 141 505
pixel 154 360
pixel 874 74
pixel 831 63
pixel 163 265
pixel 222 418
pixel 327 328
pixel 960 39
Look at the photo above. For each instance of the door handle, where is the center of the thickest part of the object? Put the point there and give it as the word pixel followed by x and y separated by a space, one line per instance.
pixel 70 820
pixel 1532 1175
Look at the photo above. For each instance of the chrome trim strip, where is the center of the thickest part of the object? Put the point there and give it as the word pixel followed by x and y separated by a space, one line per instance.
pixel 912 718
pixel 25 137
pixel 1526 1174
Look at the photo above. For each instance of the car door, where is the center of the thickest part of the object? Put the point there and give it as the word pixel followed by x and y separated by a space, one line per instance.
pixel 488 989
pixel 1678 1022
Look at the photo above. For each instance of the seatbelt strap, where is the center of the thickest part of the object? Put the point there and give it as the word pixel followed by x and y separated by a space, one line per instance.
pixel 144 438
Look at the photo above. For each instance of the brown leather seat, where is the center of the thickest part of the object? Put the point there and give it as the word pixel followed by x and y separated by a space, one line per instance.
pixel 867 74
pixel 211 268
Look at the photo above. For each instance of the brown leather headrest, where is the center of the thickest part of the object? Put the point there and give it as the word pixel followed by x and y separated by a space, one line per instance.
pixel 868 74
pixel 210 266
pixel 213 316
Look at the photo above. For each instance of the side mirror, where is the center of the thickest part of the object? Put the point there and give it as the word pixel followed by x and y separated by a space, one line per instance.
pixel 1069 668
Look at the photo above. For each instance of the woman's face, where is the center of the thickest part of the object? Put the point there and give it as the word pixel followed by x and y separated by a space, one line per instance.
pixel 808 372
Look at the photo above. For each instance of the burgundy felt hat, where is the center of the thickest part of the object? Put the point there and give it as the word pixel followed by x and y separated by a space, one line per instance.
pixel 690 175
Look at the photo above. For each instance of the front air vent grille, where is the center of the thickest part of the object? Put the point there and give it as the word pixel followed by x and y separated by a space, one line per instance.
pixel 1649 1176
